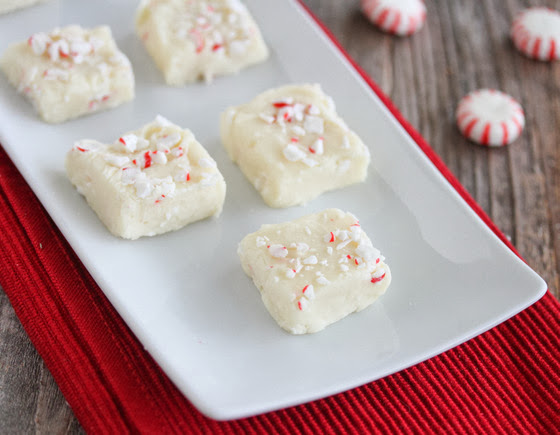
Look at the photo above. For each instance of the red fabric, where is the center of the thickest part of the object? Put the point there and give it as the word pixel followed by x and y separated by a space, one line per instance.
pixel 504 381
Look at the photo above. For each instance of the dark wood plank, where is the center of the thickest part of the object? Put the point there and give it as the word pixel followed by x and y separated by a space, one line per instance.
pixel 464 46
pixel 30 400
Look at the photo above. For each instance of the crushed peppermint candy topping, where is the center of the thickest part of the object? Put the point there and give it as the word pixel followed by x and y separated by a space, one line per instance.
pixel 64 45
pixel 378 275
pixel 343 244
pixel 117 160
pixel 133 154
pixel 178 152
pixel 367 252
pixel 312 259
pixel 147 160
pixel 314 124
pixel 302 248
pixel 129 175
pixel 278 251
pixel 309 292
pixel 288 101
pixel 39 43
pixel 287 111
pixel 143 186
pixel 317 146
pixel 87 145
pixel 300 131
pixel 267 118
pixel 303 304
pixel 181 174
pixel 293 153
pixel 159 158
pixel 313 110
pixel 168 141
pixel 307 295
pixel 129 141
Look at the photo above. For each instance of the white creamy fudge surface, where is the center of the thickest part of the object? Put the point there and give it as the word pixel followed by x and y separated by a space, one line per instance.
pixel 192 40
pixel 12 5
pixel 315 270
pixel 70 72
pixel 149 181
pixel 292 146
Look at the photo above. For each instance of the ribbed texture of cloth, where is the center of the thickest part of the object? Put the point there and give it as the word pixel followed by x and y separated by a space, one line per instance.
pixel 505 381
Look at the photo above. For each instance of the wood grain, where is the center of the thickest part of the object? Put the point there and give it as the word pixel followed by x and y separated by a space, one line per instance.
pixel 464 46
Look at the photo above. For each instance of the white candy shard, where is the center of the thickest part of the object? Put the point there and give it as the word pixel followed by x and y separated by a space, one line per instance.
pixel 278 251
pixel 314 124
pixel 302 248
pixel 39 42
pixel 129 141
pixel 312 259
pixel 293 153
pixel 168 141
pixel 309 292
pixel 116 160
pixel 317 147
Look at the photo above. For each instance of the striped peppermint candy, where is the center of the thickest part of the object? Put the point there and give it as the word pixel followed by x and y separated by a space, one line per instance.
pixel 490 117
pixel 400 17
pixel 536 33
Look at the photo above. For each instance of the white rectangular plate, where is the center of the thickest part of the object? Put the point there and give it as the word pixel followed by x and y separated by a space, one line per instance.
pixel 184 294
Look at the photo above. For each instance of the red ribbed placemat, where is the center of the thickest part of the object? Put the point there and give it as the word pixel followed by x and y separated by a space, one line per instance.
pixel 506 380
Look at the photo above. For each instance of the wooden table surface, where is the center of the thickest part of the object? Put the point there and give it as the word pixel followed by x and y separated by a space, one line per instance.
pixel 464 46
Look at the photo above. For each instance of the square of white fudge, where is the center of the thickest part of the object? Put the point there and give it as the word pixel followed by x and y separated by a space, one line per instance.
pixel 70 72
pixel 149 181
pixel 315 270
pixel 193 40
pixel 12 5
pixel 292 146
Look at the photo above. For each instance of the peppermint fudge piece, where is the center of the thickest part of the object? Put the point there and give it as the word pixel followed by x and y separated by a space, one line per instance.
pixel 149 181
pixel 70 72
pixel 12 5
pixel 292 146
pixel 191 40
pixel 315 270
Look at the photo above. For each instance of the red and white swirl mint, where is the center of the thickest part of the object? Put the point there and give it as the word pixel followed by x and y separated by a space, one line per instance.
pixel 490 117
pixel 536 33
pixel 400 17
